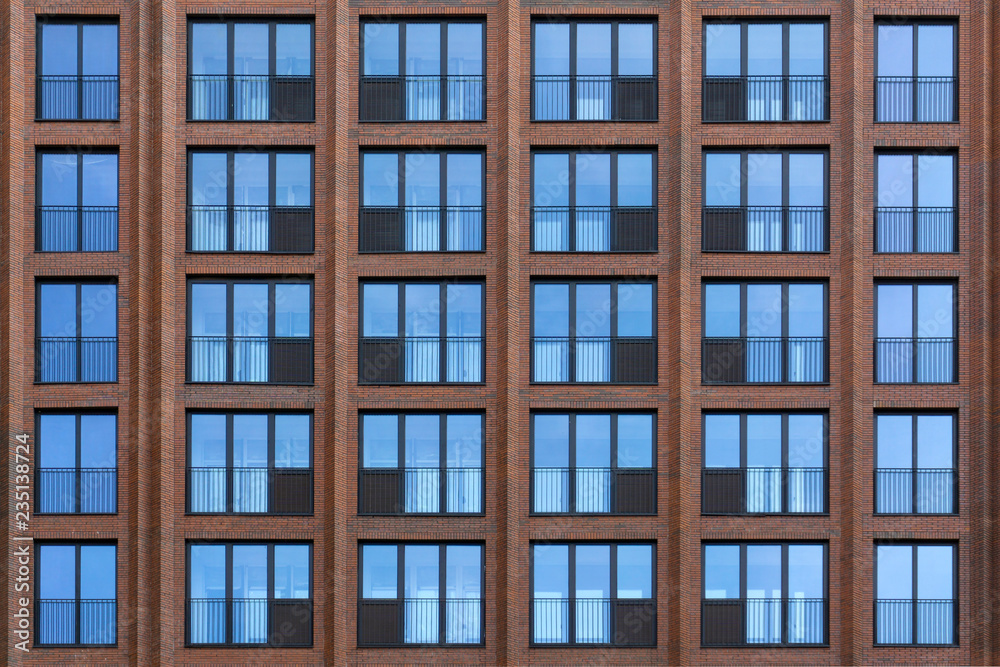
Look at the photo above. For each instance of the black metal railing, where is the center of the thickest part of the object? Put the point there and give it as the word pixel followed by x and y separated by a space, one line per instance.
pixel 916 490
pixel 76 97
pixel 593 229
pixel 915 229
pixel 249 359
pixel 612 622
pixel 76 622
pixel 420 491
pixel 418 359
pixel 764 228
pixel 594 98
pixel 764 359
pixel 765 98
pixel 421 229
pixel 76 359
pixel 76 228
pixel 249 621
pixel 277 229
pixel 599 359
pixel 241 490
pixel 916 360
pixel 251 97
pixel 759 490
pixel 76 490
pixel 919 99
pixel 593 490
pixel 915 621
pixel 447 97
pixel 416 621
pixel 774 621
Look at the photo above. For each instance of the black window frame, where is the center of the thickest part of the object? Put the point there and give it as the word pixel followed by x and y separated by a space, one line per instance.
pixel 571 591
pixel 230 22
pixel 80 152
pixel 78 283
pixel 915 283
pixel 913 414
pixel 784 544
pixel 914 22
pixel 916 154
pixel 784 414
pixel 401 586
pixel 77 413
pixel 955 586
pixel 229 621
pixel 80 21
pixel 77 544
pixel 653 469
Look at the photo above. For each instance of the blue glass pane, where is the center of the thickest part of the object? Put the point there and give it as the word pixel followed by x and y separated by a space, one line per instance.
pixel 723 180
pixel 551 570
pixel 635 441
pixel 381 49
pixel 635 309
pixel 895 311
pixel 722 49
pixel 722 571
pixel 58 310
pixel 635 571
pixel 98 446
pixel 551 49
pixel 59 179
pixel 100 180
pixel 379 572
pixel 208 441
pixel 551 441
pixel 293 49
pixel 250 306
pixel 291 441
pixel 895 50
pixel 56 572
pixel 465 310
pixel 635 49
pixel 97 569
pixel 208 310
pixel 250 441
pixel 57 441
pixel 291 571
pixel 293 179
pixel 464 441
pixel 59 49
pixel 100 50
pixel 293 310
pixel 208 571
pixel 209 46
pixel 99 310
pixel 465 49
pixel 722 441
pixel 381 310
pixel 423 179
pixel 593 441
pixel 722 310
pixel 381 441
pixel 551 310
pixel 209 184
pixel 635 179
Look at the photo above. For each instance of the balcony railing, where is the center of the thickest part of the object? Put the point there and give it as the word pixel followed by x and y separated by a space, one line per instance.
pixel 419 359
pixel 250 359
pixel 920 99
pixel 915 622
pixel 251 97
pixel 76 490
pixel 76 622
pixel 76 228
pixel 420 491
pixel 916 490
pixel 759 490
pixel 915 229
pixel 760 359
pixel 76 97
pixel 765 98
pixel 764 228
pixel 595 359
pixel 593 229
pixel 611 622
pixel 420 621
pixel 767 621
pixel 593 491
pixel 915 360
pixel 594 98
pixel 277 229
pixel 250 621
pixel 250 490
pixel 421 229
pixel 396 98
pixel 74 359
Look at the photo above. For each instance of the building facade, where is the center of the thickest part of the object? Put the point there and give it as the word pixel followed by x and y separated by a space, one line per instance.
pixel 499 332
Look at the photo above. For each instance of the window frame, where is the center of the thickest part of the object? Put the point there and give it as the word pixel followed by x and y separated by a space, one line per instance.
pixel 614 282
pixel 442 153
pixel 784 283
pixel 38 577
pixel 614 153
pixel 913 414
pixel 80 152
pixel 916 154
pixel 77 413
pixel 914 283
pixel 80 22
pixel 78 283
pixel 955 585
pixel 914 22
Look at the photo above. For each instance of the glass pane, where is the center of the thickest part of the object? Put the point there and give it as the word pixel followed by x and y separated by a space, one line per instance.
pixel 100 180
pixel 723 179
pixel 936 180
pixel 381 48
pixel 100 50
pixel 292 310
pixel 99 311
pixel 551 179
pixel 935 311
pixel 635 571
pixel 895 180
pixel 894 435
pixel 463 572
pixel 57 441
pixel 209 43
pixel 250 306
pixel 722 571
pixel 722 310
pixel 249 571
pixel 805 571
pixel 293 50
pixel 59 49
pixel 420 571
pixel 465 179
pixel 381 441
pixel 250 441
pixel 551 49
pixel 806 310
pixel 894 575
pixel 935 578
pixel 208 179
pixel 723 53
pixel 593 571
pixel 764 49
pixel 423 179
pixel 208 441
pixel 423 49
pixel 293 179
pixel 291 441
pixel 250 52
pixel 764 310
pixel 805 179
pixel 895 311
pixel 98 446
pixel 935 50
pixel 551 310
pixel 895 50
pixel 56 572
pixel 381 309
pixel 551 441
pixel 593 180
pixel 208 571
pixel 59 180
pixel 551 570
pixel 593 310
pixel 422 439
pixel 806 50
pixel 464 441
pixel 805 441
pixel 593 49
pixel 722 441
pixel 764 441
pixel 381 180
pixel 635 49
pixel 635 441
pixel 635 179
pixel 635 310
pixel 57 310
pixel 935 441
pixel 465 49
pixel 379 571
pixel 291 571
pixel 764 571
pixel 208 310
pixel 593 441
pixel 764 173
pixel 423 310
pixel 97 569
pixel 251 176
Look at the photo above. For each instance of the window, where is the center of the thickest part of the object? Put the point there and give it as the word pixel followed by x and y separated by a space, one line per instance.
pixel 249 463
pixel 593 463
pixel 77 70
pixel 601 332
pixel 765 201
pixel 757 71
pixel 594 70
pixel 597 594
pixel 422 202
pixel 915 464
pixel 915 333
pixel 250 201
pixel 422 71
pixel 250 331
pixel 241 70
pixel 77 594
pixel 421 594
pixel 76 332
pixel 764 333
pixel 764 463
pixel 915 588
pixel 77 467
pixel 915 79
pixel 77 209
pixel 401 329
pixel 769 594
pixel 915 209
pixel 608 203
pixel 421 463
pixel 249 594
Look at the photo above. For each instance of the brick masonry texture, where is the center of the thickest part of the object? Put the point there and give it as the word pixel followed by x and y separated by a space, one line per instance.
pixel 151 397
